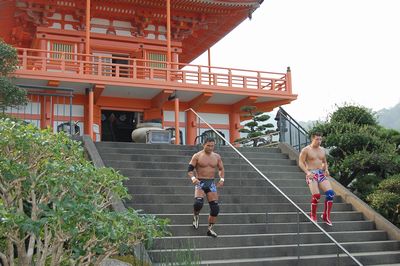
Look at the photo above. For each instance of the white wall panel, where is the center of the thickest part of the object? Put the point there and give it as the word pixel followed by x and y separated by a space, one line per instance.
pixel 63 109
pixel 30 108
pixel 212 118
pixel 170 116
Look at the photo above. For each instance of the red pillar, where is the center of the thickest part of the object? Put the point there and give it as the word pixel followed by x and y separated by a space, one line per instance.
pixel 46 112
pixel 177 137
pixel 234 126
pixel 90 112
pixel 191 127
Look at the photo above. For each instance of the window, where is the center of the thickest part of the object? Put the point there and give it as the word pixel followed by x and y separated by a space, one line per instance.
pixel 59 48
pixel 157 56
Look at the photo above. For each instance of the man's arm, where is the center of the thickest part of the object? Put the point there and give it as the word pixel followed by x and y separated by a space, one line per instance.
pixel 221 171
pixel 191 168
pixel 302 161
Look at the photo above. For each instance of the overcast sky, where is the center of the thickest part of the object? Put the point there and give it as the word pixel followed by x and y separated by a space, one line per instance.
pixel 340 51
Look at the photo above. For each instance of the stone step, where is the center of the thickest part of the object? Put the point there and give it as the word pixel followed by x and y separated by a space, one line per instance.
pixel 185 159
pixel 246 240
pixel 167 152
pixel 234 182
pixel 142 146
pixel 276 250
pixel 232 208
pixel 274 171
pixel 263 228
pixel 226 190
pixel 158 182
pixel 269 165
pixel 238 199
pixel 365 258
pixel 181 173
pixel 246 218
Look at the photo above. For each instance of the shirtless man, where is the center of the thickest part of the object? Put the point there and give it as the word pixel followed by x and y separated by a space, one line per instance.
pixel 313 162
pixel 204 163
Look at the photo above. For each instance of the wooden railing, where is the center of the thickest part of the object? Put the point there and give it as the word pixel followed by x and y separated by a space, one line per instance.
pixel 128 68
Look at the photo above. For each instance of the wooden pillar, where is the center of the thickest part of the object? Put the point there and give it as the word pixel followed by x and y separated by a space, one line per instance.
pixel 90 112
pixel 289 80
pixel 46 112
pixel 177 137
pixel 234 126
pixel 87 43
pixel 169 31
pixel 191 127
pixel 87 69
pixel 209 66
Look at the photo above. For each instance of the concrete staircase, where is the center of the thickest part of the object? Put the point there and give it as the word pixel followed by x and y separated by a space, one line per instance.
pixel 256 225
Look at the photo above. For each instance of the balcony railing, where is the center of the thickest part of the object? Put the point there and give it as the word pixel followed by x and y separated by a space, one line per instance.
pixel 138 69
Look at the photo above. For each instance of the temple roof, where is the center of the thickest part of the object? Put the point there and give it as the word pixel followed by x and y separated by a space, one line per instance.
pixel 197 24
pixel 232 14
pixel 207 21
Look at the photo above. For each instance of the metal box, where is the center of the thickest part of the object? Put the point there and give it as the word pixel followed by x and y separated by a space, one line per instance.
pixel 158 136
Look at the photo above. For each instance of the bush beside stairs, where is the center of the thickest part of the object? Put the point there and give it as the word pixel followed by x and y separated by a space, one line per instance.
pixel 256 225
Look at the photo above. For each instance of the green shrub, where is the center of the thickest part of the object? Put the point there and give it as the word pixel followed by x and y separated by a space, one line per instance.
pixel 386 199
pixel 56 205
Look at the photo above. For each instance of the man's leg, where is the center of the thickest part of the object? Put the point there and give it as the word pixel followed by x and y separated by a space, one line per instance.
pixel 329 194
pixel 315 196
pixel 214 210
pixel 197 206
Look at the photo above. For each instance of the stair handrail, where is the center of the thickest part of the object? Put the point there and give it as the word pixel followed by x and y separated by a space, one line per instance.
pixel 292 123
pixel 278 189
pixel 292 119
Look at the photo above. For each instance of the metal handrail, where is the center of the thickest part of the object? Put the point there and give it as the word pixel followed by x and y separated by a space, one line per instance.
pixel 298 132
pixel 283 111
pixel 280 191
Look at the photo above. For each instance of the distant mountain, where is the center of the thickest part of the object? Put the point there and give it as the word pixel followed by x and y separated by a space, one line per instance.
pixel 390 118
pixel 308 124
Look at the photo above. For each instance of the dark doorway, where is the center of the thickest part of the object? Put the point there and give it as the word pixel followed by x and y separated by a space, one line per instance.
pixel 120 61
pixel 118 125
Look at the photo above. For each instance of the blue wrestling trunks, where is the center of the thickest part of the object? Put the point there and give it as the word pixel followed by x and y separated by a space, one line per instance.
pixel 207 185
pixel 318 175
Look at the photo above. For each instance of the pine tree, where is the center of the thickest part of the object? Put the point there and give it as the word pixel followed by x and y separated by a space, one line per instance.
pixel 255 127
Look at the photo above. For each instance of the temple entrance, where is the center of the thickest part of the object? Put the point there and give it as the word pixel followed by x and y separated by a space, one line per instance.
pixel 118 125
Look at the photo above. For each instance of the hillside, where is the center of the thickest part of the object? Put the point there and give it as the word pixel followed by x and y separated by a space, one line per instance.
pixel 390 118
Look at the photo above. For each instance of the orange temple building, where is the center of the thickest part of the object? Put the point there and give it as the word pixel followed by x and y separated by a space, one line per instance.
pixel 111 64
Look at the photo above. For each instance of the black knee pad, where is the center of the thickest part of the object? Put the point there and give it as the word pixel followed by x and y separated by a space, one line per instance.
pixel 198 204
pixel 214 208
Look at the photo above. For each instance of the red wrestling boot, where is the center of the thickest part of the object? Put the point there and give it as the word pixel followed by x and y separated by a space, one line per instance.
pixel 314 205
pixel 326 216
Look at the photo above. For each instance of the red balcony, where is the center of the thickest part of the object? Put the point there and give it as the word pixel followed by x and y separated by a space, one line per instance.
pixel 41 64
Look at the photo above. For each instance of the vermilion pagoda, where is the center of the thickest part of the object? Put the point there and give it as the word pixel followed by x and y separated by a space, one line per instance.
pixel 127 61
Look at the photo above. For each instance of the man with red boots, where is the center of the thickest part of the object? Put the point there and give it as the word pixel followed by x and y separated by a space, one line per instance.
pixel 313 162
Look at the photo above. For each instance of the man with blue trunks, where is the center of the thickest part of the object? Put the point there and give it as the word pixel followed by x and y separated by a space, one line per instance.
pixel 313 162
pixel 201 170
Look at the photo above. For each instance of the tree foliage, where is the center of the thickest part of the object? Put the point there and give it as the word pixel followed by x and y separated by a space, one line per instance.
pixel 357 115
pixel 386 199
pixel 10 95
pixel 55 205
pixel 358 147
pixel 255 127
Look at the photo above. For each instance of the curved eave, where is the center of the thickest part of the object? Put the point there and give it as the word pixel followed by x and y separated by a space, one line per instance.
pixel 194 46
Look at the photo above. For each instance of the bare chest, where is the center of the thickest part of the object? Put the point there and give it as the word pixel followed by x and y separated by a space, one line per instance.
pixel 314 155
pixel 206 161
